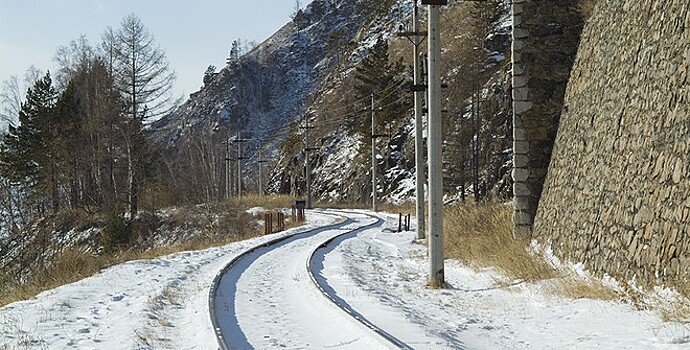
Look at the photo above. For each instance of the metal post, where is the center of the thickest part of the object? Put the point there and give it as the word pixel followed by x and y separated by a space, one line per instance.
pixel 436 277
pixel 419 142
pixel 373 156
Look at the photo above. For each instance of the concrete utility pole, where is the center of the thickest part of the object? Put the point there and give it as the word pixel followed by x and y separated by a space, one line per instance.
pixel 307 165
pixel 436 275
pixel 417 37
pixel 227 166
pixel 259 162
pixel 374 207
pixel 239 163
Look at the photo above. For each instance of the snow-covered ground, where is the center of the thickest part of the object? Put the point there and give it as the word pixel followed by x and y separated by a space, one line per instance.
pixel 163 304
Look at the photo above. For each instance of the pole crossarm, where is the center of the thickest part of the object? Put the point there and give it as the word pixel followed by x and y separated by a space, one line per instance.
pixel 411 34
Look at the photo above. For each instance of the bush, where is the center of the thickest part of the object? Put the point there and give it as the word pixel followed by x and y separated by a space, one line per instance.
pixel 117 233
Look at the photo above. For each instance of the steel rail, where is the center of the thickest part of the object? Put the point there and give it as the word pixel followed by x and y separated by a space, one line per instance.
pixel 221 340
pixel 341 303
pixel 216 281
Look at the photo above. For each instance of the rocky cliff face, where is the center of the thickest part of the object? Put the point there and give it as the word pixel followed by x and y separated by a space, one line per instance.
pixel 616 195
pixel 268 88
pixel 309 65
pixel 341 163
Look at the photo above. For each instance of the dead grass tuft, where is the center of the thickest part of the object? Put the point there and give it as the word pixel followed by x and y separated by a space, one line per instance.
pixel 676 313
pixel 586 8
pixel 575 288
pixel 405 208
pixel 481 236
pixel 218 223
pixel 267 202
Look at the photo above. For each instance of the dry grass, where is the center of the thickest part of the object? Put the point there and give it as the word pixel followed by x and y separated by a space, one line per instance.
pixel 407 207
pixel 72 265
pixel 267 202
pixel 678 312
pixel 481 236
pixel 342 205
pixel 75 264
pixel 575 288
pixel 586 7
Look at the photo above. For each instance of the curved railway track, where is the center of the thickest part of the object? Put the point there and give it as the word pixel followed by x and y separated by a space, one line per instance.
pixel 228 332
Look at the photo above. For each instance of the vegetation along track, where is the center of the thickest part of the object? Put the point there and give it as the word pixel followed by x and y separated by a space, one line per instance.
pixel 269 309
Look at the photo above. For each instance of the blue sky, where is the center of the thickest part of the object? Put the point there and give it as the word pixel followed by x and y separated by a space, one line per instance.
pixel 194 34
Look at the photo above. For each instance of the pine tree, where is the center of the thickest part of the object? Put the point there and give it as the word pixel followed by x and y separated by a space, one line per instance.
pixel 235 53
pixel 208 75
pixel 376 75
pixel 25 157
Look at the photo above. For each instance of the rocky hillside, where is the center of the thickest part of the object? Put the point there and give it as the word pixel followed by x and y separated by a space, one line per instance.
pixel 341 167
pixel 256 97
pixel 309 66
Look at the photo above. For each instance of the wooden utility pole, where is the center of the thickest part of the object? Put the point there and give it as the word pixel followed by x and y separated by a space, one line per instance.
pixel 436 273
pixel 417 37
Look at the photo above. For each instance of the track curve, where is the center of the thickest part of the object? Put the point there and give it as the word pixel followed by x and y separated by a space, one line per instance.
pixel 330 294
pixel 255 268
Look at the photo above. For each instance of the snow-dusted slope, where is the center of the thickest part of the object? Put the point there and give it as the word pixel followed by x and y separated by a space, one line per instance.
pixel 270 85
pixel 163 304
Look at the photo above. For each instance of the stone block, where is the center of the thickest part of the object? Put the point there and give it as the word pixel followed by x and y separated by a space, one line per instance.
pixel 520 203
pixel 519 33
pixel 521 189
pixel 520 81
pixel 520 161
pixel 520 107
pixel 519 134
pixel 521 93
pixel 522 218
pixel 520 174
pixel 520 147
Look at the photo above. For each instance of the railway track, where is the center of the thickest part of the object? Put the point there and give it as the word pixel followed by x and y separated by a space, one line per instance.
pixel 253 267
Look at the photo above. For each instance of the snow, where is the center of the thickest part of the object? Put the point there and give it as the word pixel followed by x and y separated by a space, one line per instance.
pixel 163 303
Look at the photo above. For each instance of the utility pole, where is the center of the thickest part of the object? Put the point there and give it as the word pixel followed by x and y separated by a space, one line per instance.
pixel 307 159
pixel 239 142
pixel 436 275
pixel 373 156
pixel 227 166
pixel 417 37
pixel 259 162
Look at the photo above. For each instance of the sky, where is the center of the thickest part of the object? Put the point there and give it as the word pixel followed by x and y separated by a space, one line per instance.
pixel 194 34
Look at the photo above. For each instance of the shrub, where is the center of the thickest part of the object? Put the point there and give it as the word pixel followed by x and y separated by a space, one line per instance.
pixel 117 233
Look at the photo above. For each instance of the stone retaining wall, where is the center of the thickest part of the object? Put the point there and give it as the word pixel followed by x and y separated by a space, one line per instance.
pixel 546 34
pixel 617 195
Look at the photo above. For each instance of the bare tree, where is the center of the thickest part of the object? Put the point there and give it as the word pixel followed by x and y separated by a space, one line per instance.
pixel 12 93
pixel 11 101
pixel 144 79
pixel 143 75
pixel 78 54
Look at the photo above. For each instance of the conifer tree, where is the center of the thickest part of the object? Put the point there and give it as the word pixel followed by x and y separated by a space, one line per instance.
pixel 376 75
pixel 25 157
